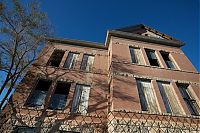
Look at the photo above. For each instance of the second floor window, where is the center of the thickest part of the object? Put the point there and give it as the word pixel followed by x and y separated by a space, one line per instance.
pixel 38 95
pixel 71 60
pixel 167 60
pixel 189 100
pixel 87 62
pixel 147 97
pixel 59 98
pixel 136 55
pixel 152 57
pixel 169 98
pixel 80 100
pixel 56 58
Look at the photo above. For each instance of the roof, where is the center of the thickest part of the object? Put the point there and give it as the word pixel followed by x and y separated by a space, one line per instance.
pixel 130 32
pixel 135 28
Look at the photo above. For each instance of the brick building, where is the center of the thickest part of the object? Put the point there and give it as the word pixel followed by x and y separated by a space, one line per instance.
pixel 139 81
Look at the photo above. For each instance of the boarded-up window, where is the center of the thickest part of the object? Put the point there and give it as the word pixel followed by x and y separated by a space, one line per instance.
pixel 147 96
pixel 59 98
pixel 80 100
pixel 169 98
pixel 189 100
pixel 167 60
pixel 38 96
pixel 136 55
pixel 87 62
pixel 152 57
pixel 71 60
pixel 56 58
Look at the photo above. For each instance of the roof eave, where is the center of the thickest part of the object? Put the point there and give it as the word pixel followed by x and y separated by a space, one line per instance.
pixel 77 43
pixel 141 38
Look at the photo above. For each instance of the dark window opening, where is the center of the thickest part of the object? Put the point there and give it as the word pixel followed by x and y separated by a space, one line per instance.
pixel 21 129
pixel 37 98
pixel 56 58
pixel 152 57
pixel 59 97
pixel 190 102
pixel 167 60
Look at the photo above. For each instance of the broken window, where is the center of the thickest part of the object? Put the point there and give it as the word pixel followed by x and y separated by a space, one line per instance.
pixel 24 129
pixel 147 96
pixel 80 100
pixel 71 60
pixel 38 95
pixel 136 55
pixel 87 62
pixel 169 98
pixel 59 98
pixel 56 58
pixel 189 100
pixel 152 57
pixel 167 60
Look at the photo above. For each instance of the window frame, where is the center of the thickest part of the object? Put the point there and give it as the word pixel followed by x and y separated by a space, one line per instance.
pixel 75 106
pixel 56 94
pixel 147 51
pixel 188 99
pixel 84 67
pixel 144 93
pixel 34 89
pixel 172 63
pixel 73 60
pixel 136 58
pixel 49 63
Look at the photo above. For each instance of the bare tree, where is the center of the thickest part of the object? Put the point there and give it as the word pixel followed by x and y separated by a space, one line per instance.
pixel 23 28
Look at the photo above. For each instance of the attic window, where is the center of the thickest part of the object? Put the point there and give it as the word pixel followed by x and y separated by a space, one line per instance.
pixel 59 97
pixel 56 58
pixel 152 57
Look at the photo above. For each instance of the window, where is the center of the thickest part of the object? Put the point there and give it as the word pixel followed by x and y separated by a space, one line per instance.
pixel 169 99
pixel 59 97
pixel 152 57
pixel 136 55
pixel 71 60
pixel 67 132
pixel 190 102
pixel 21 129
pixel 167 60
pixel 80 101
pixel 37 98
pixel 87 62
pixel 147 97
pixel 56 58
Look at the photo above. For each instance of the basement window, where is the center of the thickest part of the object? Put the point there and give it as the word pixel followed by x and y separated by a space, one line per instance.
pixel 56 58
pixel 80 100
pixel 24 129
pixel 169 98
pixel 87 62
pixel 189 100
pixel 147 96
pixel 71 60
pixel 152 57
pixel 136 55
pixel 38 95
pixel 59 98
pixel 167 60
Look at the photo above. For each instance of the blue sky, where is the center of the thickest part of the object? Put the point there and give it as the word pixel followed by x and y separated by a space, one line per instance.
pixel 90 19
